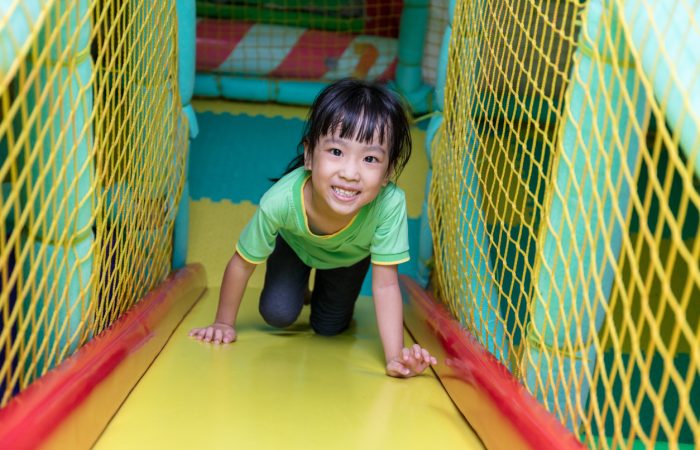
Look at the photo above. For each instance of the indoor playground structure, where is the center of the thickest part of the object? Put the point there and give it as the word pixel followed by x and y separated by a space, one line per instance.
pixel 553 206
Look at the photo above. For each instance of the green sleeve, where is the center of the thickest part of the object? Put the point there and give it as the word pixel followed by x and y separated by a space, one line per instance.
pixel 390 242
pixel 258 237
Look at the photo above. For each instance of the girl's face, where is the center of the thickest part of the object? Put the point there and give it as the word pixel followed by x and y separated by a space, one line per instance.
pixel 346 175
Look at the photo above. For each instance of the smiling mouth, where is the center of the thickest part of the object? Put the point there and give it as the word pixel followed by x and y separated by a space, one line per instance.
pixel 344 193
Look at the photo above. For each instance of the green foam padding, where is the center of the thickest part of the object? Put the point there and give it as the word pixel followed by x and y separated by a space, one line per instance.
pixel 305 19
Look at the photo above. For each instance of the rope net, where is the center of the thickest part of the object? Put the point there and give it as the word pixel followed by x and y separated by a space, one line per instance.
pixel 564 207
pixel 92 158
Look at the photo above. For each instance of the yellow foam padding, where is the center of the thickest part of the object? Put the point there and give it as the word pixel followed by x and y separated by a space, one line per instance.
pixel 219 106
pixel 214 231
pixel 286 389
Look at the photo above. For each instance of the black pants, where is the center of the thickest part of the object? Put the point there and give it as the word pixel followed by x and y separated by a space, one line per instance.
pixel 334 294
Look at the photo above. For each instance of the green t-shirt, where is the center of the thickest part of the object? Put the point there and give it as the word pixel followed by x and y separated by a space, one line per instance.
pixel 379 229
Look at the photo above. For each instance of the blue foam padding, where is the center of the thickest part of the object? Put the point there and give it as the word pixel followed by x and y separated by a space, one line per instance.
pixel 17 27
pixel 251 89
pixel 188 110
pixel 206 85
pixel 67 146
pixel 442 69
pixel 433 128
pixel 414 26
pixel 71 275
pixel 186 30
pixel 234 155
pixel 298 92
pixel 181 229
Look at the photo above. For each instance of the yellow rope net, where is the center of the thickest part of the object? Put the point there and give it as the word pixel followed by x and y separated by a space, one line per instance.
pixel 92 157
pixel 564 204
pixel 564 207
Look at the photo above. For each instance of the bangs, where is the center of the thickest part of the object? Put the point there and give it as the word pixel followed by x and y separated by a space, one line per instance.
pixel 358 122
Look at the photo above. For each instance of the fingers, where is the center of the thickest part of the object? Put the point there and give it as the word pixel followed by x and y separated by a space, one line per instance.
pixel 406 355
pixel 422 354
pixel 197 333
pixel 229 336
pixel 411 362
pixel 208 333
pixel 427 357
pixel 395 369
pixel 224 336
pixel 415 360
pixel 214 334
pixel 412 356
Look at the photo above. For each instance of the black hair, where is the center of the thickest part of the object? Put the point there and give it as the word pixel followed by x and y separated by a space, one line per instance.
pixel 358 110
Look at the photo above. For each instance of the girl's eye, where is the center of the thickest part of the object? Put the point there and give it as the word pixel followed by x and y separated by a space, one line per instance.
pixel 371 159
pixel 336 152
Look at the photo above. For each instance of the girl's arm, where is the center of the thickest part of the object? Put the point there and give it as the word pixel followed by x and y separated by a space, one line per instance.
pixel 400 361
pixel 236 276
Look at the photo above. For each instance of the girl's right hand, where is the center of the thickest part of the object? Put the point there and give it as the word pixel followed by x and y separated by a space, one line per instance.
pixel 218 333
pixel 412 361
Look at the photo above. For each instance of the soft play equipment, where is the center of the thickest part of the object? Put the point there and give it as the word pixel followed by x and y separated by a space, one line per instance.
pixel 553 209
pixel 231 47
pixel 288 51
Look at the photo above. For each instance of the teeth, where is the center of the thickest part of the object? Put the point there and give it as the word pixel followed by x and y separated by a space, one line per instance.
pixel 344 193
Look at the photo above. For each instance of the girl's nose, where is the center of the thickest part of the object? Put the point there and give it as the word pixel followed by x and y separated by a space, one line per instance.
pixel 350 171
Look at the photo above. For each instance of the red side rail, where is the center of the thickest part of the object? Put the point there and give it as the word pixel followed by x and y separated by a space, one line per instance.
pixel 30 419
pixel 475 366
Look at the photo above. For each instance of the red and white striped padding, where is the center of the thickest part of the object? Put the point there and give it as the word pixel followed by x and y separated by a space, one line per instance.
pixel 245 48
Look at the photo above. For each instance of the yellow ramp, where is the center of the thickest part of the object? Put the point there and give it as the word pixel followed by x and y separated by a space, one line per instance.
pixel 283 389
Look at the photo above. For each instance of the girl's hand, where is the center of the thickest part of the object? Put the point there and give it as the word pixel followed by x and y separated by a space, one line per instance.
pixel 410 363
pixel 218 333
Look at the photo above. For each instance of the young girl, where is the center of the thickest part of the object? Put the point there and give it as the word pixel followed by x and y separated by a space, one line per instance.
pixel 335 210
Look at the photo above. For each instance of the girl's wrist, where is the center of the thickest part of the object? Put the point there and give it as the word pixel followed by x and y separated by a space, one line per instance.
pixel 394 355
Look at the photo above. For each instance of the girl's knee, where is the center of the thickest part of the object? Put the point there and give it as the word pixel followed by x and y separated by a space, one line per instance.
pixel 325 329
pixel 277 317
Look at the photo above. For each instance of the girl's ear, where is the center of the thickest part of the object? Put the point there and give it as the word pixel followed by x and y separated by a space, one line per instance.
pixel 307 156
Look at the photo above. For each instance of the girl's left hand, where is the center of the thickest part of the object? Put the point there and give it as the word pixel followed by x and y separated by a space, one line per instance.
pixel 411 362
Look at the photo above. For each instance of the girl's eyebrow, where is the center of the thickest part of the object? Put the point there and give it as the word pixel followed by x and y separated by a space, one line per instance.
pixel 376 148
pixel 333 140
pixel 341 141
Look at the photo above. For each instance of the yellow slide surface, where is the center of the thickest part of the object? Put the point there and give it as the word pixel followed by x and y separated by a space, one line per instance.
pixel 286 389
